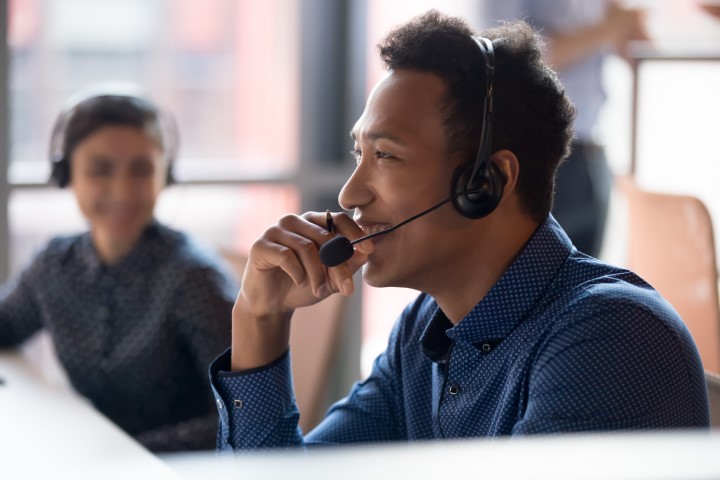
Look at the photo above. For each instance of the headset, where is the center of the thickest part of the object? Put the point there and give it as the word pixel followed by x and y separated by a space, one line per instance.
pixel 482 178
pixel 60 157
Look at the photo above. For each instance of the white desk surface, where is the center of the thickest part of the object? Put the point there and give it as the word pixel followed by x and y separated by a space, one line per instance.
pixel 655 456
pixel 47 431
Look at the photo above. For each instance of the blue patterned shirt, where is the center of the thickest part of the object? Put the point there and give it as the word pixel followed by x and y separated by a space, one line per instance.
pixel 135 338
pixel 561 343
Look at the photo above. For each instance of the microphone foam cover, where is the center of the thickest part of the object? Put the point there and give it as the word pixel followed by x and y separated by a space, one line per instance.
pixel 336 251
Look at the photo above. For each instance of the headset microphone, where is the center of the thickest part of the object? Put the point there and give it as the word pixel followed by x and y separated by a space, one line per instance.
pixel 340 249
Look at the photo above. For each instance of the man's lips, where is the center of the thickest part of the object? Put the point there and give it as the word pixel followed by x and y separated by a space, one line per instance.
pixel 370 226
pixel 370 229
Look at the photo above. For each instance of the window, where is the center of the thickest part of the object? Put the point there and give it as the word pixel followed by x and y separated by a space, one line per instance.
pixel 227 70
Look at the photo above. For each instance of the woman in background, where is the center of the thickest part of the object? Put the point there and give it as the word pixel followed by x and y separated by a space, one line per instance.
pixel 131 306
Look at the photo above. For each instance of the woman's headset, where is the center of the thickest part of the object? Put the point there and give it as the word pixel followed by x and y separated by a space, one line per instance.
pixel 126 96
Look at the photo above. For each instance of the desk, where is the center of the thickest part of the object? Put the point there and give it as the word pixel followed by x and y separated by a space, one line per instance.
pixel 47 431
pixel 661 455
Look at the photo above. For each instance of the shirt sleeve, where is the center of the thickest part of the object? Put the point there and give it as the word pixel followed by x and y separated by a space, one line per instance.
pixel 257 407
pixel 19 310
pixel 619 367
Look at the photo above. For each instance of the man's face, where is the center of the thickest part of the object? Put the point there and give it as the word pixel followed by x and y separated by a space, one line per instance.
pixel 402 169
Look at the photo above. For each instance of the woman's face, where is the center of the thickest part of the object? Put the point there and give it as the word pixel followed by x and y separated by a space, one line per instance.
pixel 117 173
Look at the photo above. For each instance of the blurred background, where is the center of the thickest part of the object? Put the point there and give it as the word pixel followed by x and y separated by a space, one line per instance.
pixel 265 92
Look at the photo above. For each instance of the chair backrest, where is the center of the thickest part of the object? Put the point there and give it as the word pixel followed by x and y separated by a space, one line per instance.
pixel 671 246
pixel 713 387
pixel 314 339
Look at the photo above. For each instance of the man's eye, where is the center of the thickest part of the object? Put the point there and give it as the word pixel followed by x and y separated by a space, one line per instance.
pixel 384 155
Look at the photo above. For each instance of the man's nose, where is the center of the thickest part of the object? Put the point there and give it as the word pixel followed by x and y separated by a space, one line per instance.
pixel 357 191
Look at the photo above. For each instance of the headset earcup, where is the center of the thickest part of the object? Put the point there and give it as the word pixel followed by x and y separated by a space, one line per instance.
pixel 61 172
pixel 489 191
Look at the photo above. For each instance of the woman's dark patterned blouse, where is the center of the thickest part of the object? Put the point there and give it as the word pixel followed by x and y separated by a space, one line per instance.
pixel 135 338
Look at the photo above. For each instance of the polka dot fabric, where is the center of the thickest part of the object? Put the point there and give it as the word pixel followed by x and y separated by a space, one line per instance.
pixel 134 338
pixel 562 343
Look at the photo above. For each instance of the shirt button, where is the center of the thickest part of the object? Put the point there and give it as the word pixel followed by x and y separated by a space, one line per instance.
pixel 238 403
pixel 486 347
pixel 219 404
pixel 454 389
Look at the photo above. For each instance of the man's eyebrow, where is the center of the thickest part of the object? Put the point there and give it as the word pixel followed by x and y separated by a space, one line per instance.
pixel 372 136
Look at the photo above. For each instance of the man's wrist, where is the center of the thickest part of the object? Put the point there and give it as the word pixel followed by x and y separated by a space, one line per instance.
pixel 257 339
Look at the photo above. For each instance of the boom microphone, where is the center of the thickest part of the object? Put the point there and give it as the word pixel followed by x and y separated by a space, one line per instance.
pixel 340 249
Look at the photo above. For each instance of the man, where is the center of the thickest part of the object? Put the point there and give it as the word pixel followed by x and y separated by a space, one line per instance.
pixel 515 332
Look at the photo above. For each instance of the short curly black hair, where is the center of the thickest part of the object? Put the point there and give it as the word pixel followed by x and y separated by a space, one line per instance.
pixel 533 116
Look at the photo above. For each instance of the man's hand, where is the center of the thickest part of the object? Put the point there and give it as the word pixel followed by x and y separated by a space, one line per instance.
pixel 283 273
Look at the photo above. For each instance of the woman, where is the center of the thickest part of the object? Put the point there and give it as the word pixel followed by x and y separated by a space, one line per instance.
pixel 136 311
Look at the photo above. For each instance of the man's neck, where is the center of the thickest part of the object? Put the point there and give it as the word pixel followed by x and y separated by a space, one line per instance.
pixel 467 281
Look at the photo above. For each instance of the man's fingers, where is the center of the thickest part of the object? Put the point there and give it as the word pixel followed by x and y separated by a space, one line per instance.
pixel 293 245
pixel 267 254
pixel 294 253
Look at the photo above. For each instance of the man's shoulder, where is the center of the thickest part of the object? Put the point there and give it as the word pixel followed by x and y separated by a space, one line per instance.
pixel 588 280
pixel 612 345
pixel 609 298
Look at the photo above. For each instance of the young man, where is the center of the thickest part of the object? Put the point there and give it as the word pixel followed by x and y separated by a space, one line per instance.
pixel 515 332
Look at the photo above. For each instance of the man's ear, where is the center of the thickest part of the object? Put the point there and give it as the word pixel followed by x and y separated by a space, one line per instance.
pixel 509 166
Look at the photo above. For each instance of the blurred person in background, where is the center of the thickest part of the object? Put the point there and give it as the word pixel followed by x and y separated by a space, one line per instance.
pixel 581 35
pixel 130 303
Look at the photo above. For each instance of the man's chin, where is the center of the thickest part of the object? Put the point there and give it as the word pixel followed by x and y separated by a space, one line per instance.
pixel 378 277
pixel 371 277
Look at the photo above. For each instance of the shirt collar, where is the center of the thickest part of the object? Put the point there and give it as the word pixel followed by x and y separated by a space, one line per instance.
pixel 509 300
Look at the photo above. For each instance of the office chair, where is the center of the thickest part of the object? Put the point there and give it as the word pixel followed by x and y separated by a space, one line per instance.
pixel 671 246
pixel 713 387
pixel 314 340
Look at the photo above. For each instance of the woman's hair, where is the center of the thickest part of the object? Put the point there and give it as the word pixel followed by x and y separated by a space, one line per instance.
pixel 532 115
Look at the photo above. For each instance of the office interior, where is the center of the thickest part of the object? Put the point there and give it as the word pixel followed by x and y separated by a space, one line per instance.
pixel 265 92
